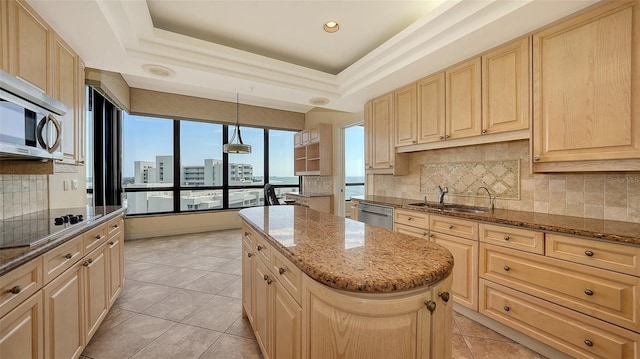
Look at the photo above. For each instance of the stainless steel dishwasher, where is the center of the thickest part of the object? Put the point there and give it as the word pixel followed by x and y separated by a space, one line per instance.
pixel 380 216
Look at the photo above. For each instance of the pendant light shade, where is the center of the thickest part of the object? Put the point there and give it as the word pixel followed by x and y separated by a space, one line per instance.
pixel 232 146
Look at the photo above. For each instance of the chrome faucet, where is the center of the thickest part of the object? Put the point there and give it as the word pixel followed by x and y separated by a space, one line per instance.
pixel 491 199
pixel 443 191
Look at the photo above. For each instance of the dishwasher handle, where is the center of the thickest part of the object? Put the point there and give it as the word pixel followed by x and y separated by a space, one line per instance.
pixel 376 213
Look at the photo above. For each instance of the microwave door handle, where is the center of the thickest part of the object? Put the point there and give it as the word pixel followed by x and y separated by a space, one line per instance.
pixel 40 129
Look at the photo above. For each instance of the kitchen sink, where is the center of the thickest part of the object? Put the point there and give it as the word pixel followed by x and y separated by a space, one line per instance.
pixel 448 207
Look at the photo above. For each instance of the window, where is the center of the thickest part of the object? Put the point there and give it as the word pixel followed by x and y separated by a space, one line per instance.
pixel 178 165
pixel 354 161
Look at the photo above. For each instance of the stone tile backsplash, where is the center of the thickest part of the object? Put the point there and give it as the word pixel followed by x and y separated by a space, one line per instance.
pixel 610 195
pixel 317 184
pixel 22 194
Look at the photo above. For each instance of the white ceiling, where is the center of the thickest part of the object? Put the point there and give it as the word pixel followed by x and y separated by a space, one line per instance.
pixel 276 54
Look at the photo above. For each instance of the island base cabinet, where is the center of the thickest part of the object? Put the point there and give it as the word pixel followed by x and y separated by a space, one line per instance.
pixel 21 330
pixel 287 318
pixel 356 325
pixel 575 334
pixel 63 314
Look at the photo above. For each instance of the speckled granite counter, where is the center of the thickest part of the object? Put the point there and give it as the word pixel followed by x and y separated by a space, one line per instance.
pixel 618 231
pixel 350 255
pixel 11 258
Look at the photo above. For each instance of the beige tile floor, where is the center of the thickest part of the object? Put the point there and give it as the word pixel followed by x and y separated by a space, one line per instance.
pixel 182 299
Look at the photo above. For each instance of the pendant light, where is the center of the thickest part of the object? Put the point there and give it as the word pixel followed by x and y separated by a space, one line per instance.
pixel 239 147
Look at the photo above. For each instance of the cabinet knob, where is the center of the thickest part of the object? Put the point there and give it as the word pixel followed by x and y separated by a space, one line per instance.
pixel 451 226
pixel 390 166
pixel 246 233
pixel 260 248
pixel 410 219
pixel 111 243
pixel 268 279
pixel 588 343
pixel 441 137
pixel 431 235
pixel 444 296
pixel 484 130
pixel 15 290
pixel 446 136
pixel 281 270
pixel 506 238
pixel 424 234
pixel 115 226
pixel 588 291
pixel 68 255
pixel 414 141
pixel 87 262
pixel 588 253
pixel 98 236
pixel 506 308
pixel 431 305
pixel 506 268
pixel 536 158
pixel 249 255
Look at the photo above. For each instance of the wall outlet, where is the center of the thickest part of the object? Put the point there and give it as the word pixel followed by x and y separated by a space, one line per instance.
pixel 65 185
pixel 74 184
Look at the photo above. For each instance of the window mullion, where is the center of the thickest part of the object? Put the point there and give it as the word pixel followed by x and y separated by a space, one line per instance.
pixel 176 166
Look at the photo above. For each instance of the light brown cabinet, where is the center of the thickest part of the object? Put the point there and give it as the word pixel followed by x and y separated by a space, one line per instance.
pixel 64 90
pixel 96 285
pixel 318 203
pixel 63 315
pixel 506 88
pixel 313 151
pixel 465 271
pixel 4 42
pixel 380 151
pixel 586 75
pixel 29 45
pixel 406 115
pixel 463 100
pixel 431 108
pixel 21 331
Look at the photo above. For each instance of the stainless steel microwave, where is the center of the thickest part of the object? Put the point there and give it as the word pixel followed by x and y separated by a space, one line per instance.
pixel 29 128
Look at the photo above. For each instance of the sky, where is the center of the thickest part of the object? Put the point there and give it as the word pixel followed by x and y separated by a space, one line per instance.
pixel 147 137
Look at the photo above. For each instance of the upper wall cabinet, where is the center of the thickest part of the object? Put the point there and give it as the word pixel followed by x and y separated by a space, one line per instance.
pixel 586 74
pixel 463 100
pixel 313 151
pixel 29 50
pixel 4 42
pixel 65 78
pixel 381 156
pixel 505 88
pixel 431 105
pixel 406 115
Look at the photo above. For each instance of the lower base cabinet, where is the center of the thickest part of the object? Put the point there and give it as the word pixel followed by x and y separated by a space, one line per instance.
pixel 287 321
pixel 96 278
pixel 63 314
pixel 21 331
pixel 465 270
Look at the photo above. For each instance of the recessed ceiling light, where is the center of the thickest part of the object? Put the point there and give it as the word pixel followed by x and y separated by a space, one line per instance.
pixel 158 70
pixel 319 101
pixel 331 26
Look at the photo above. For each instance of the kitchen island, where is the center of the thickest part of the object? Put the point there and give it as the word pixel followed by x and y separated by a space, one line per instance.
pixel 320 286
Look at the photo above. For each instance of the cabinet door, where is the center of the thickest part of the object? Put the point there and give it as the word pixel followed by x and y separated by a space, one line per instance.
pixel 297 139
pixel 261 308
pixel 465 271
pixel 115 247
pixel 63 315
pixel 505 88
pixel 287 329
pixel 247 281
pixel 586 74
pixel 431 108
pixel 442 319
pixel 96 287
pixel 29 50
pixel 4 42
pixel 381 145
pixel 406 117
pixel 64 90
pixel 21 330
pixel 464 103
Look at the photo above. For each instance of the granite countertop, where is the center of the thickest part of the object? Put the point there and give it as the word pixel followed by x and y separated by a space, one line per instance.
pixel 618 231
pixel 11 258
pixel 310 194
pixel 350 255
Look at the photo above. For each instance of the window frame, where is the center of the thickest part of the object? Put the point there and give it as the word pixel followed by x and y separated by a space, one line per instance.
pixel 177 186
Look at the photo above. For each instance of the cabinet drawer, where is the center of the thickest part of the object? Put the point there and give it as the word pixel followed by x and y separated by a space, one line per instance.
pixel 603 294
pixel 115 225
pixel 411 218
pixel 263 249
pixel 62 257
pixel 516 238
pixel 412 231
pixel 248 235
pixel 94 238
pixel 19 284
pixel 288 274
pixel 613 256
pixel 575 334
pixel 454 226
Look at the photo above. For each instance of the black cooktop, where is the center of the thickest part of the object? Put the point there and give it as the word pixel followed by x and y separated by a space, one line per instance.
pixel 39 227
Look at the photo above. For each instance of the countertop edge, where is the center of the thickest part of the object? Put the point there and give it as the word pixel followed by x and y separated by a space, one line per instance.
pixel 36 251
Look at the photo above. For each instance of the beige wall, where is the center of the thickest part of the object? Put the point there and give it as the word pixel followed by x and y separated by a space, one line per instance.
pixel 179 106
pixel 112 84
pixel 59 198
pixel 613 196
pixel 165 225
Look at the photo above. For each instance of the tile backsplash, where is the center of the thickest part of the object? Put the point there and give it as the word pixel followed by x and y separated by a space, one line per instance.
pixel 610 195
pixel 317 184
pixel 22 194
